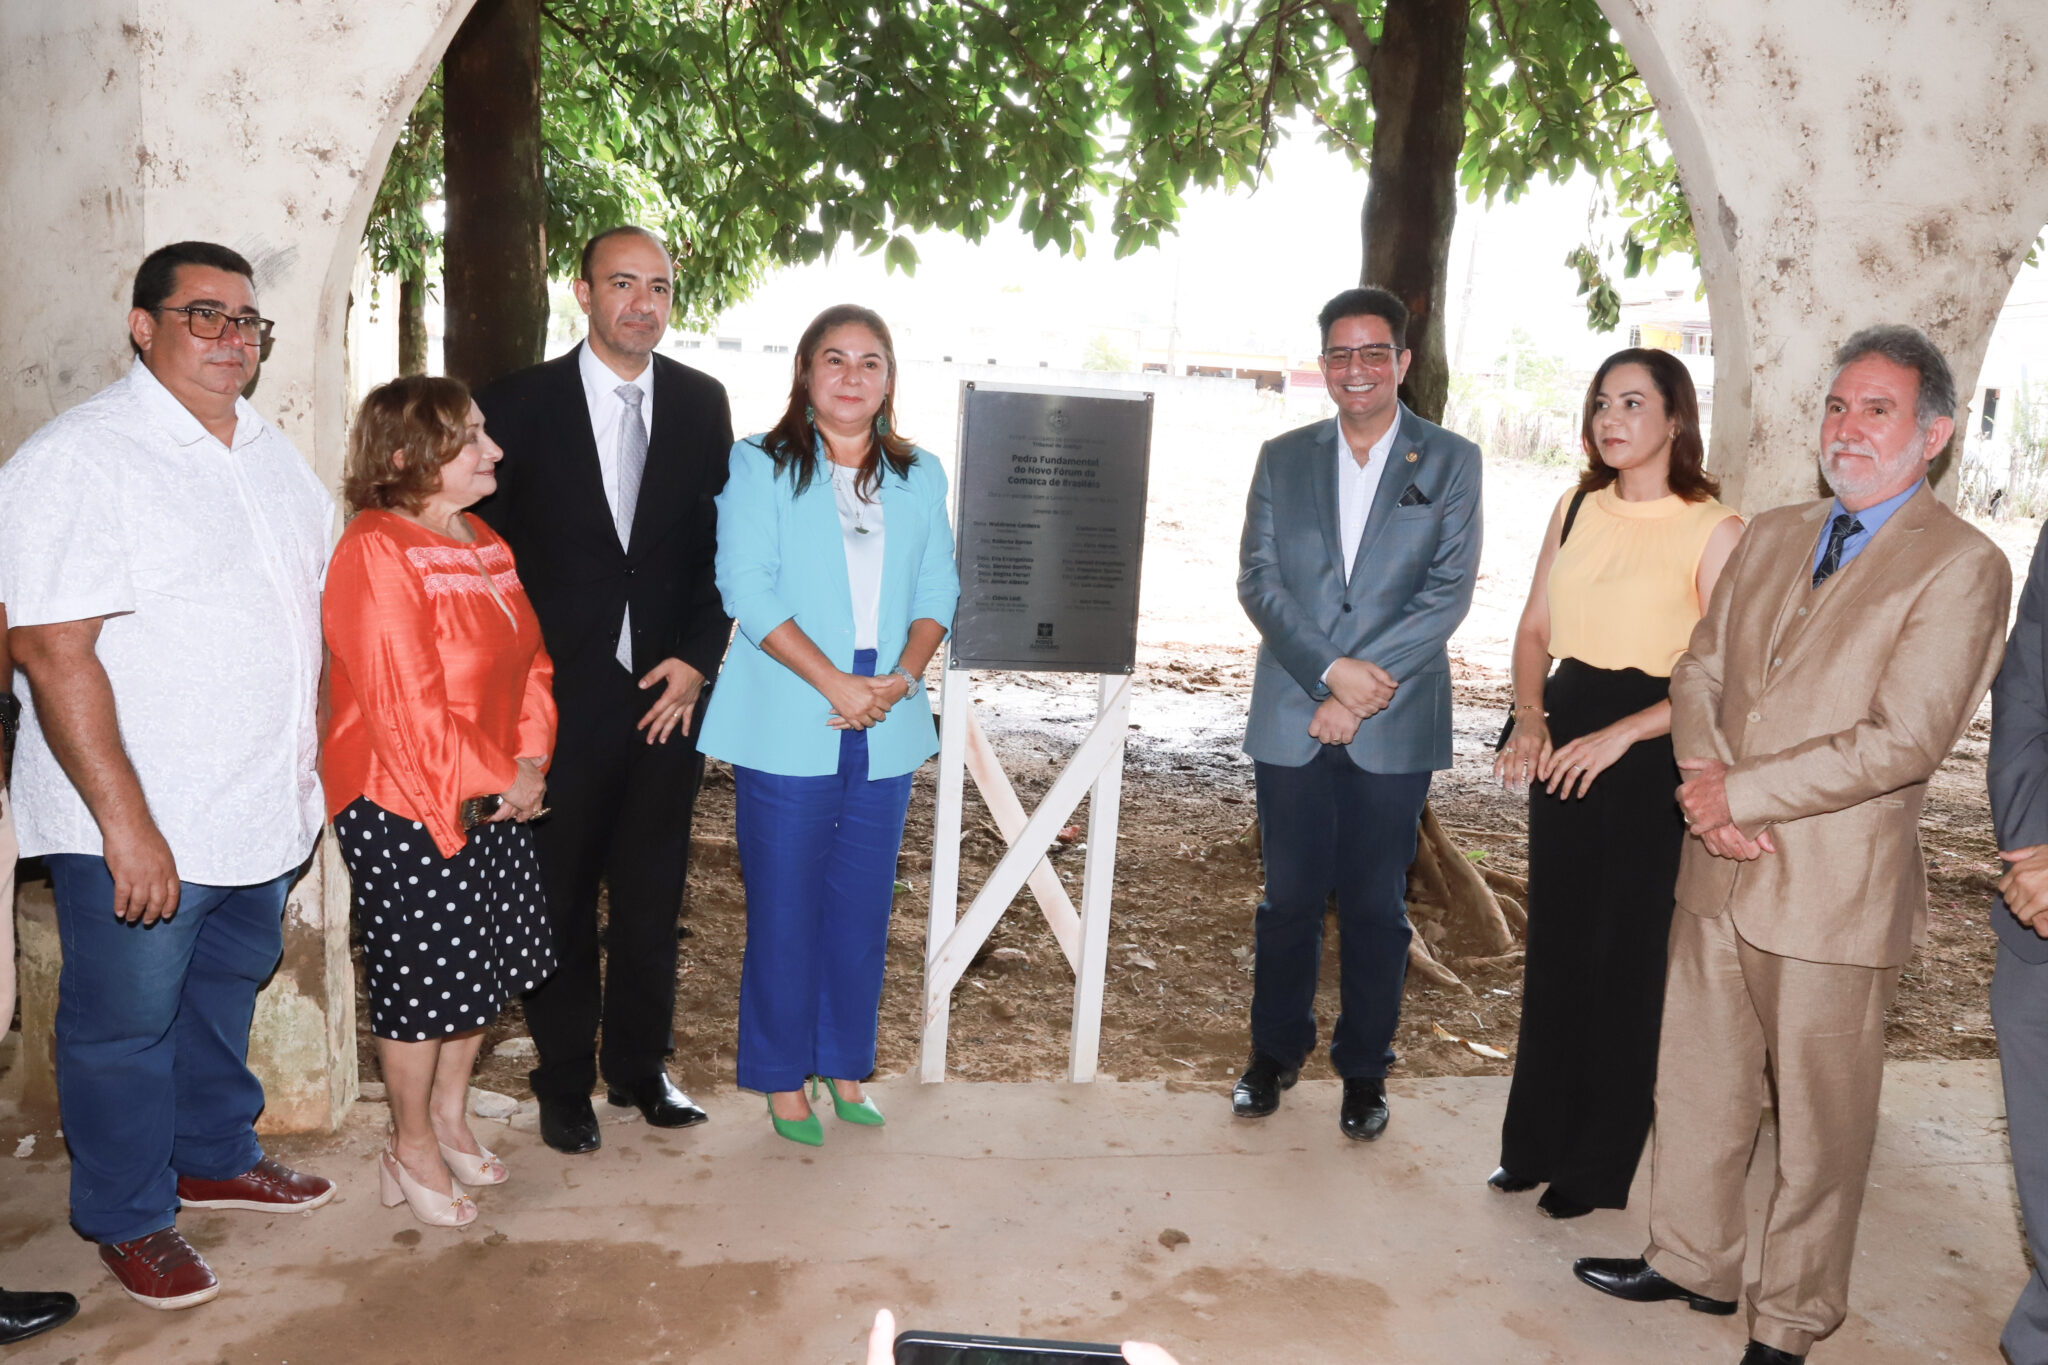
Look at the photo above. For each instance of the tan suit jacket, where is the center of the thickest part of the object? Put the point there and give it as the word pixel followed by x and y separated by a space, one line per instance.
pixel 1832 708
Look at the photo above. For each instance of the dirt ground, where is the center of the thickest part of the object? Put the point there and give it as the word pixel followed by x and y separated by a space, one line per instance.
pixel 1179 983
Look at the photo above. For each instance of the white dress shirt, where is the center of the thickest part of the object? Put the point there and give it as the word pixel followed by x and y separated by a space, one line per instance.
pixel 1356 488
pixel 601 396
pixel 206 561
pixel 860 525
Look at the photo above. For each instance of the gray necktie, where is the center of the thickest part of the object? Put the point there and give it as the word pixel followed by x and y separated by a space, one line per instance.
pixel 632 460
pixel 632 464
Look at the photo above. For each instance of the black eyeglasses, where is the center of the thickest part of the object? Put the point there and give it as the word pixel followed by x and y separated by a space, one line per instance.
pixel 208 323
pixel 1376 356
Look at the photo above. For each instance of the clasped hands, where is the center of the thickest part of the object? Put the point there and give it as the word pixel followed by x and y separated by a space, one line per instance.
pixel 859 701
pixel 1704 799
pixel 1359 690
pixel 2025 886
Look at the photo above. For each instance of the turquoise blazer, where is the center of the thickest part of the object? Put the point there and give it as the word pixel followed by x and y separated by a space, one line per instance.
pixel 782 556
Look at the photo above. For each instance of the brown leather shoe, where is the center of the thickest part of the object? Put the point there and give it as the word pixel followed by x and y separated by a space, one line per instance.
pixel 161 1270
pixel 272 1187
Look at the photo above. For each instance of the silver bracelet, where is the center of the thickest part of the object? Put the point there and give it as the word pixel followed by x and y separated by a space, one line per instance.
pixel 912 680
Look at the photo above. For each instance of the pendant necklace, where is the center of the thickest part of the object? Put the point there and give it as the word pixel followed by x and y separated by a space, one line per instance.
pixel 851 490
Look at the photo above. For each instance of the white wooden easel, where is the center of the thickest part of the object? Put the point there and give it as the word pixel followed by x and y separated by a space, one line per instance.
pixel 952 940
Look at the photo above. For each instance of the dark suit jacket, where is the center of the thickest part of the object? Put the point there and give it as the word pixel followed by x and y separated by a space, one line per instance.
pixel 550 505
pixel 2018 767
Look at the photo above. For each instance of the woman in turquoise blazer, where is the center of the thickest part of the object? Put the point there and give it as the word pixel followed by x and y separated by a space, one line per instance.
pixel 836 559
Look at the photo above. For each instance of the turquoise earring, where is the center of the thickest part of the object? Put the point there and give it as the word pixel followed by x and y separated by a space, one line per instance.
pixel 881 425
pixel 810 414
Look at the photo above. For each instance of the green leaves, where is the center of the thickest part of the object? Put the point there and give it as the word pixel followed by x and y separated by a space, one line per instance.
pixel 753 133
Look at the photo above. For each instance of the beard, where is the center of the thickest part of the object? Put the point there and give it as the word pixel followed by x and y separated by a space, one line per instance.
pixel 1862 482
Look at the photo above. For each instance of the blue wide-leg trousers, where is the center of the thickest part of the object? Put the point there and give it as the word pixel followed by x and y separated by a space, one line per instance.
pixel 818 857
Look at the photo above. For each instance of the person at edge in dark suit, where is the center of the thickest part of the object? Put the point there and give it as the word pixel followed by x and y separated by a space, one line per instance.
pixel 613 455
pixel 2018 773
pixel 1361 546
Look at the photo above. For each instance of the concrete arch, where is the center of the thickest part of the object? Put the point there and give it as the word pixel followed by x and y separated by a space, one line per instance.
pixel 1848 162
pixel 125 124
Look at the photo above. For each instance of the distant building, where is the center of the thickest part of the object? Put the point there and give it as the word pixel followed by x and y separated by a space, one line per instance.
pixel 1675 321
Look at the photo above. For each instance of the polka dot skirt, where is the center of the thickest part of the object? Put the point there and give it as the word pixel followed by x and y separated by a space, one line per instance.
pixel 447 941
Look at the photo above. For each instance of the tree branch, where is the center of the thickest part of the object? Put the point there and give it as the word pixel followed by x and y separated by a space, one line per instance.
pixel 1351 24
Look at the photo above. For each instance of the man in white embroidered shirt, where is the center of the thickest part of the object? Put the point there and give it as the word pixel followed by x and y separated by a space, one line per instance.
pixel 163 546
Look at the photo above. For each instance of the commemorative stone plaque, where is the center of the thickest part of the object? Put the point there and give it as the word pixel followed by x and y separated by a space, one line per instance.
pixel 1050 525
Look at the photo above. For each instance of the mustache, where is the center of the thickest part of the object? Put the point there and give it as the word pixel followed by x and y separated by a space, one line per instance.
pixel 1862 448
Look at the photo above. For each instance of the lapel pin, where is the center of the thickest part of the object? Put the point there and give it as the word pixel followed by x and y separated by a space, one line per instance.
pixel 1411 457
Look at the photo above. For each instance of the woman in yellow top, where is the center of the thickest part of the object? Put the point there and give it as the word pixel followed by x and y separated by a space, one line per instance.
pixel 1625 574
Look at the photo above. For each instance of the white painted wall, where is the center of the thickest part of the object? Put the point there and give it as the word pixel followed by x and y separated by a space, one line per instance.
pixel 1848 162
pixel 126 124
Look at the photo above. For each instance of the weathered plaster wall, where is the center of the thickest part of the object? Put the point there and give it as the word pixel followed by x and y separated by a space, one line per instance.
pixel 264 124
pixel 1848 162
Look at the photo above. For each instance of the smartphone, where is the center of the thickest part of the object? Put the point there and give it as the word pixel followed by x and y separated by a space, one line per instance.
pixel 952 1348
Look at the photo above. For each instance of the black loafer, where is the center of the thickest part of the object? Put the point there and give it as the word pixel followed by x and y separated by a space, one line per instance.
pixel 659 1102
pixel 1507 1182
pixel 25 1314
pixel 1364 1115
pixel 1555 1203
pixel 1257 1092
pixel 1760 1354
pixel 1632 1279
pixel 570 1125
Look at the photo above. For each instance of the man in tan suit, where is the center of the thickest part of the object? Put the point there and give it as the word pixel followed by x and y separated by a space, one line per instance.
pixel 1844 651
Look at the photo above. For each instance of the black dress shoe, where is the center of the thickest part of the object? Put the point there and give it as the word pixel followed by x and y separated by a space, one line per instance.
pixel 1507 1182
pixel 659 1102
pixel 1257 1092
pixel 570 1125
pixel 1632 1279
pixel 1760 1354
pixel 1555 1203
pixel 24 1314
pixel 1364 1115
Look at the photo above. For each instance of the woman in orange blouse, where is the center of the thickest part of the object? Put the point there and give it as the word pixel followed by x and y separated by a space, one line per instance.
pixel 441 725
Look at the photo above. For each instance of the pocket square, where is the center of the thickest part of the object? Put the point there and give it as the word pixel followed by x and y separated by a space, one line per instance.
pixel 1414 497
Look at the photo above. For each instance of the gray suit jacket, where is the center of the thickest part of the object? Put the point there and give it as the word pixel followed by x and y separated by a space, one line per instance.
pixel 2018 767
pixel 1409 588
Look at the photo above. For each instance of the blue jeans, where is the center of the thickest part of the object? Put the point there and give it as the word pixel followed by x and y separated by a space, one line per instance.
pixel 1330 826
pixel 153 1079
pixel 818 856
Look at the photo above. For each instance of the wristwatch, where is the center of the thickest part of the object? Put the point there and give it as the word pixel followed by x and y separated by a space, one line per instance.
pixel 911 679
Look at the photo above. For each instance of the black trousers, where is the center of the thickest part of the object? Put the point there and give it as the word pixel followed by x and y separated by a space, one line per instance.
pixel 1330 826
pixel 621 816
pixel 1602 869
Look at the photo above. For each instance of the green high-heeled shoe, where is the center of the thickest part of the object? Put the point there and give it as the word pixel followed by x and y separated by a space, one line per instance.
pixel 862 1112
pixel 806 1130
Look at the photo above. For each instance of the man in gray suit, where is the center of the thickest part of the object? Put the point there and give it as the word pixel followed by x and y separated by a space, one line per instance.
pixel 2019 986
pixel 1361 543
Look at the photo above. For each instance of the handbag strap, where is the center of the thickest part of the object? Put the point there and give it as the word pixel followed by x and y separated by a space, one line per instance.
pixel 1571 514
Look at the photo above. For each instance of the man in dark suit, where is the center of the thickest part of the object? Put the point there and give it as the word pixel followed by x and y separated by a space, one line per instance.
pixel 612 457
pixel 2019 985
pixel 1360 550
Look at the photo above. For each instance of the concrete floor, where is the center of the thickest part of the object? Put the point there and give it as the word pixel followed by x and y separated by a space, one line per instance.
pixel 1032 1209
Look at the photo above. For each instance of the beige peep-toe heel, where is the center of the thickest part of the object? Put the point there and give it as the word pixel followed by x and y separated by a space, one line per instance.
pixel 455 1210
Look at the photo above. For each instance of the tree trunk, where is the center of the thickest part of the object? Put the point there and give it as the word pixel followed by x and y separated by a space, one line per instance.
pixel 1417 79
pixel 495 281
pixel 412 324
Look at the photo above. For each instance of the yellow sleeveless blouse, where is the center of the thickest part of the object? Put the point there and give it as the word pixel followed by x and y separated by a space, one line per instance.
pixel 1623 587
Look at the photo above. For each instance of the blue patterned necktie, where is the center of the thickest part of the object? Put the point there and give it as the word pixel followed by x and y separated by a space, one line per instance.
pixel 1839 531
